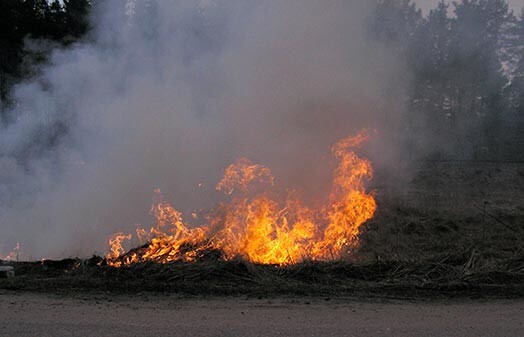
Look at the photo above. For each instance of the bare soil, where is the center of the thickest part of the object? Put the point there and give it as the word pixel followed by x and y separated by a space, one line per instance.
pixel 30 314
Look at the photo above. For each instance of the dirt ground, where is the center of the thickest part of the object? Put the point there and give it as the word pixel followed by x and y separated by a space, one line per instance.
pixel 28 314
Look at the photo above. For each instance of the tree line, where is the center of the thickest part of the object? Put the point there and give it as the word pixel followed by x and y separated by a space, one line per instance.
pixel 464 74
pixel 464 66
pixel 62 22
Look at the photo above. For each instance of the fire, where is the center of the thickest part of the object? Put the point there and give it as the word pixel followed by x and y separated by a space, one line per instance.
pixel 14 254
pixel 255 227
pixel 116 247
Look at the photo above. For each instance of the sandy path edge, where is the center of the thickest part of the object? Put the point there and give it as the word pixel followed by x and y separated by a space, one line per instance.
pixel 30 314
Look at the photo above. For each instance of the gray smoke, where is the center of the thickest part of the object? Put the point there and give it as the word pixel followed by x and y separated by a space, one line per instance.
pixel 167 95
pixel 427 5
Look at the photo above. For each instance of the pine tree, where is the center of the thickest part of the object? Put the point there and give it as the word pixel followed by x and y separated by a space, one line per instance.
pixel 477 75
pixel 514 93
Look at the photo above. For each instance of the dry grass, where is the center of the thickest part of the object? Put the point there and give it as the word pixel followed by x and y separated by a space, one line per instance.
pixel 461 273
pixel 465 239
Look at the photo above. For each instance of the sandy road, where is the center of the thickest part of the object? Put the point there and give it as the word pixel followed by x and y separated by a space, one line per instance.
pixel 26 314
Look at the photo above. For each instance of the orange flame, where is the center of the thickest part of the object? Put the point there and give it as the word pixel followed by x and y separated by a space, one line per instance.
pixel 14 254
pixel 115 242
pixel 256 227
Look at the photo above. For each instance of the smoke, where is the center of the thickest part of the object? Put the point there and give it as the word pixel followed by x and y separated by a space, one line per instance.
pixel 427 5
pixel 166 94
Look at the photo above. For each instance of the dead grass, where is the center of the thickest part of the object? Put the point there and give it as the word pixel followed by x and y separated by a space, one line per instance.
pixel 469 241
pixel 462 273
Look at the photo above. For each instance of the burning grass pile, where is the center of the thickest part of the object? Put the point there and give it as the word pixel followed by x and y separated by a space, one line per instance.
pixel 405 250
pixel 256 224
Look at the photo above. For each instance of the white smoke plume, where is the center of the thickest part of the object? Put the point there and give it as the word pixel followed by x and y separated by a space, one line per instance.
pixel 166 94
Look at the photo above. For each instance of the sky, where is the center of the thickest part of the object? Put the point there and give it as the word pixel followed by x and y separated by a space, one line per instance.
pixel 427 5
